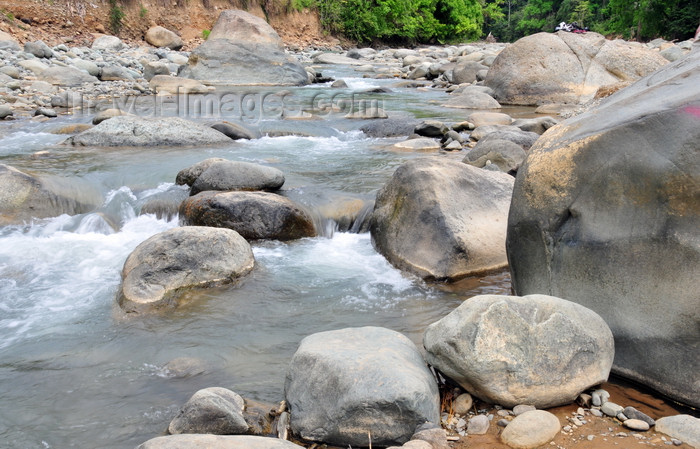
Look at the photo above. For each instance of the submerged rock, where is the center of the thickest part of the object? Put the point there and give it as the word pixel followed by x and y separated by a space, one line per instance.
pixel 342 383
pixel 159 270
pixel 442 219
pixel 550 348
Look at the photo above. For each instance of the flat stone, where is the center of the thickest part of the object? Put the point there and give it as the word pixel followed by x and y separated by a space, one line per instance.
pixel 418 144
pixel 531 429
pixel 633 413
pixel 636 424
pixel 478 425
pixel 611 409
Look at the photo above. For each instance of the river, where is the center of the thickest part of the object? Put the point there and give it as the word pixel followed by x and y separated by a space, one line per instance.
pixel 74 372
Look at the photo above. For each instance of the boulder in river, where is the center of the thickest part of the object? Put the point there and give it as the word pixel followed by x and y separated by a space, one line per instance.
pixel 159 271
pixel 505 154
pixel 605 213
pixel 132 131
pixel 566 67
pixel 23 197
pixel 66 76
pixel 235 175
pixel 443 219
pixel 243 49
pixel 344 385
pixel 217 442
pixel 472 100
pixel 254 215
pixel 510 350
pixel 212 410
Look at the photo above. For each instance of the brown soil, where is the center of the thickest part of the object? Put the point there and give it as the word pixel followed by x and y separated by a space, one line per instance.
pixel 77 22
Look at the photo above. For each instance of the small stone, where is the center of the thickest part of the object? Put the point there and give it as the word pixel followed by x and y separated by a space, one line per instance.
pixel 590 437
pixel 600 397
pixel 463 404
pixel 47 112
pixel 596 412
pixel 633 413
pixel 611 409
pixel 580 412
pixel 503 413
pixel 531 429
pixel 636 424
pixel 478 425
pixel 566 429
pixel 576 422
pixel 453 146
pixel 584 400
pixel 621 434
pixel 502 423
pixel 621 417
pixel 461 424
pixel 522 408
pixel 676 442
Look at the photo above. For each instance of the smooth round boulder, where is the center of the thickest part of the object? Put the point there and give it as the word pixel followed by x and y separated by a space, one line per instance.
pixel 187 176
pixel 133 131
pixel 217 442
pixel 163 37
pixel 212 410
pixel 550 348
pixel 235 175
pixel 254 215
pixel 531 430
pixel 682 427
pixel 110 43
pixel 605 213
pixel 162 268
pixel 343 383
pixel 442 219
pixel 566 67
pixel 466 72
pixel 65 76
pixel 472 100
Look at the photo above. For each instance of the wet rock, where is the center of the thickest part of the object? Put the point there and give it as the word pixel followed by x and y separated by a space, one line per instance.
pixel 566 67
pixel 552 349
pixel 390 127
pixel 46 112
pixel 234 131
pixel 235 175
pixel 243 49
pixel 683 427
pixel 184 367
pixel 530 430
pixel 339 84
pixel 478 425
pixel 162 268
pixel 431 128
pixel 442 219
pixel 23 197
pixel 163 37
pixel 584 227
pixel 143 132
pixel 189 175
pixel 505 154
pixel 212 410
pixel 254 215
pixel 339 381
pixel 216 442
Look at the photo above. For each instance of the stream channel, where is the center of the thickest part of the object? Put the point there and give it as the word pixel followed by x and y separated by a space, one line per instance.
pixel 75 372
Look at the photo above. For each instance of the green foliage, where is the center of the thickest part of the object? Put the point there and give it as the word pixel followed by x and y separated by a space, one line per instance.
pixel 205 34
pixel 116 17
pixel 300 5
pixel 143 12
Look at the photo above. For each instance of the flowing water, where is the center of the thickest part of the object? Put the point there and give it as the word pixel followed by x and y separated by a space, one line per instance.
pixel 74 372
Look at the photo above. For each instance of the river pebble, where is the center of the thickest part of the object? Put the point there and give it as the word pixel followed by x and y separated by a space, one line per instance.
pixel 636 424
pixel 611 409
pixel 463 404
pixel 478 425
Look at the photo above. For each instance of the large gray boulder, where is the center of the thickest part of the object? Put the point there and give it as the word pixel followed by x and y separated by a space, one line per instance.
pixel 472 99
pixel 235 175
pixel 163 37
pixel 187 176
pixel 243 50
pixel 605 213
pixel 254 215
pixel 442 219
pixel 466 72
pixel 162 268
pixel 345 384
pixel 65 76
pixel 566 67
pixel 212 410
pixel 131 131
pixel 506 155
pixel 38 49
pixel 510 350
pixel 685 428
pixel 23 197
pixel 216 442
